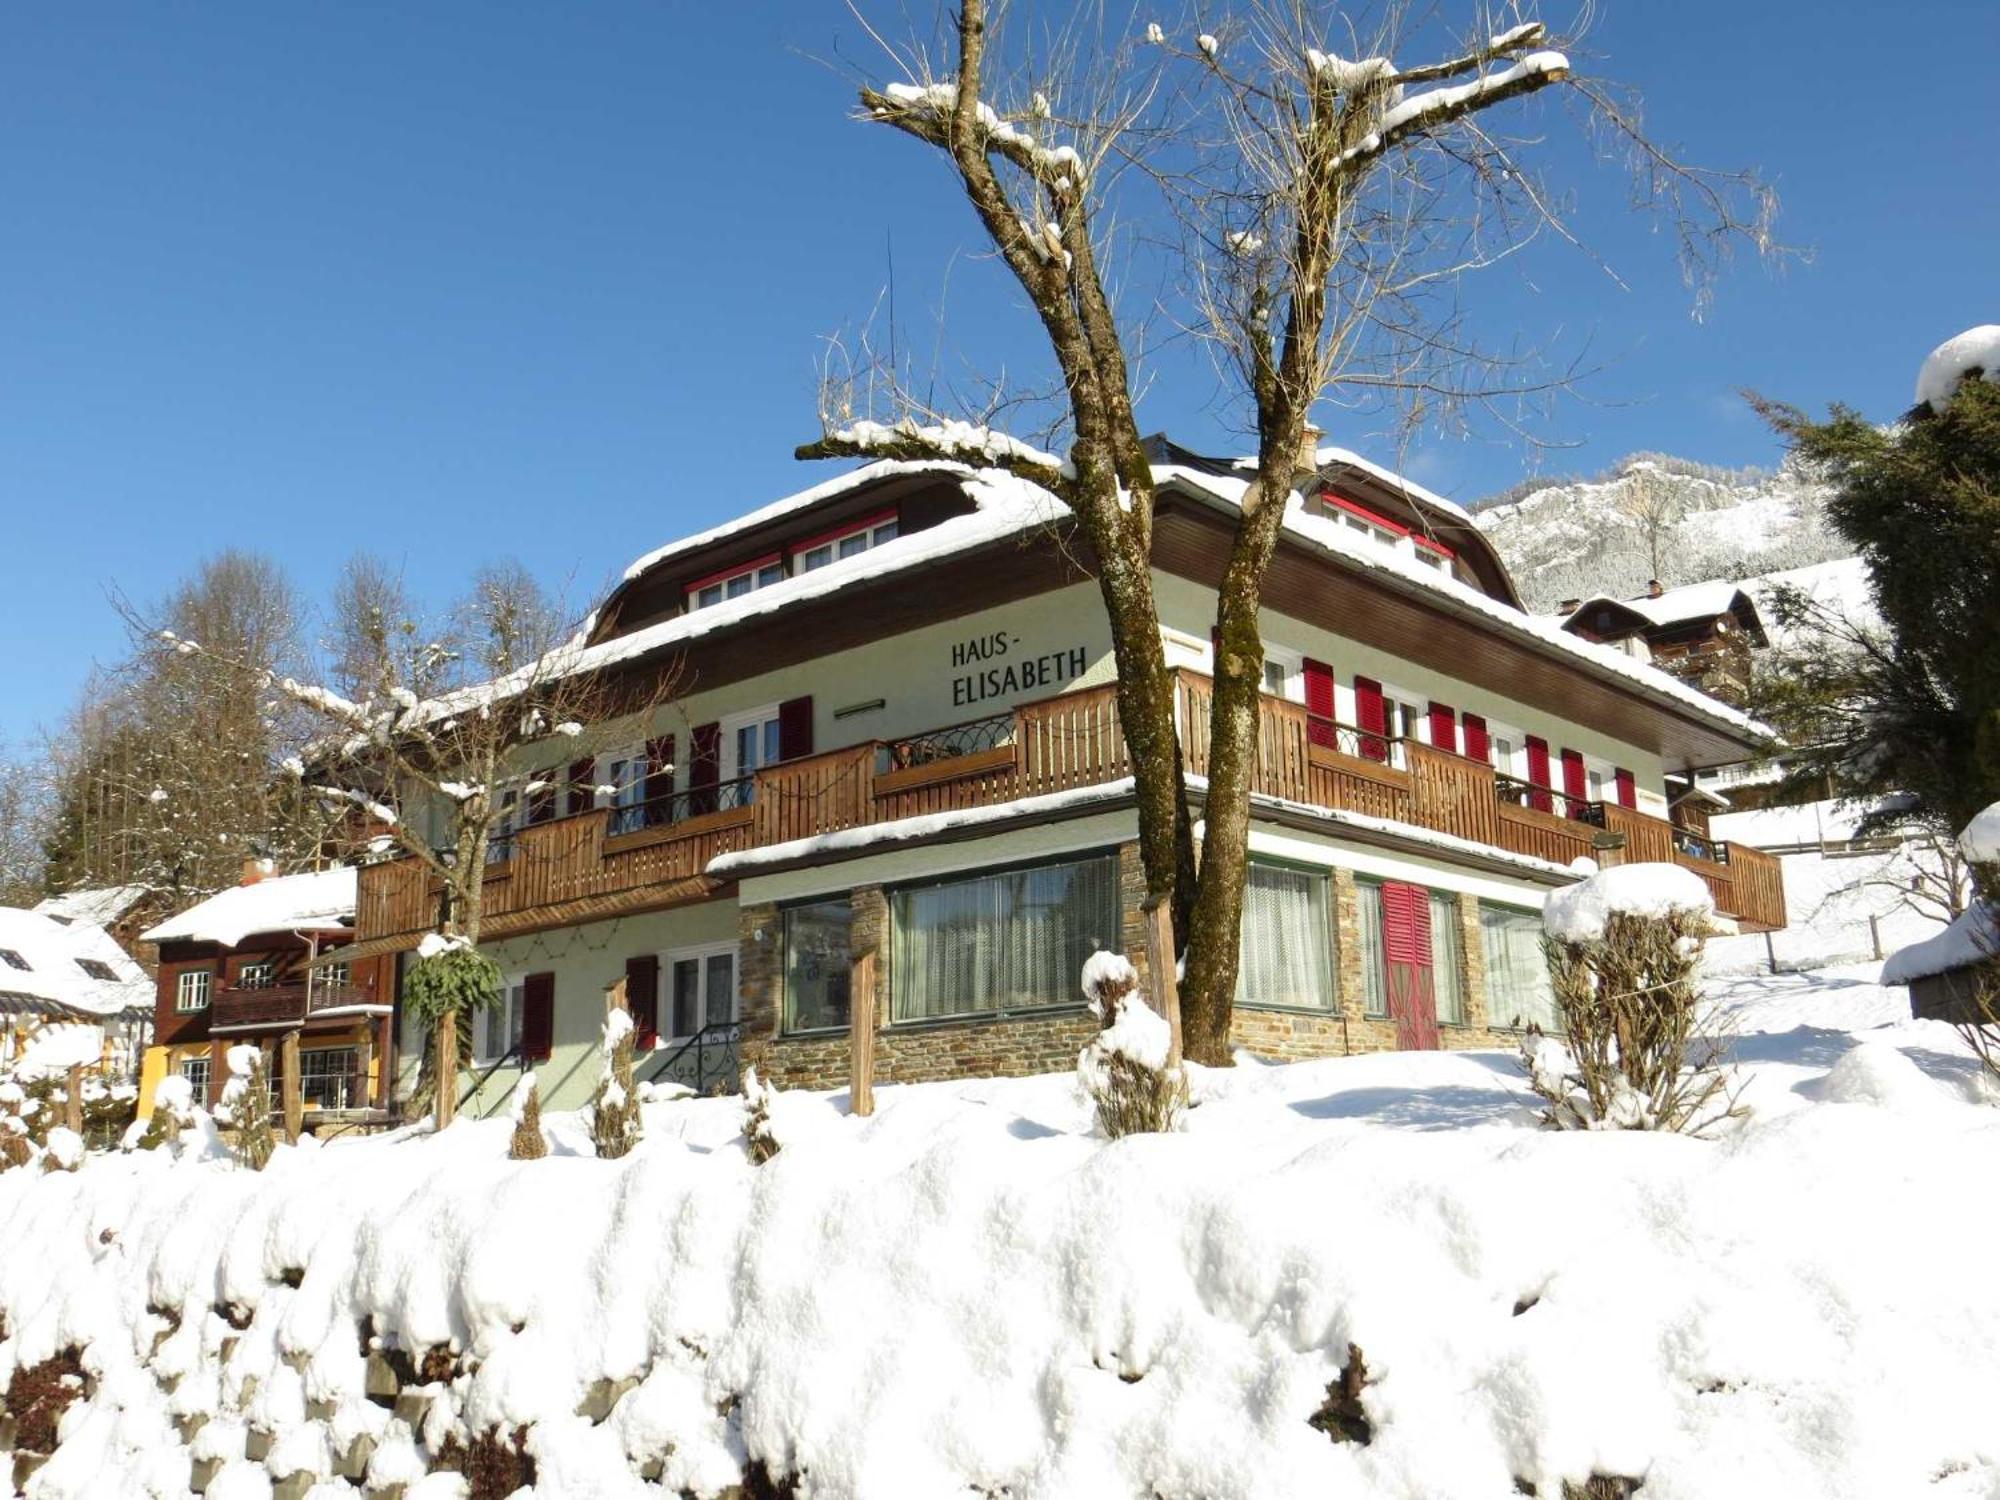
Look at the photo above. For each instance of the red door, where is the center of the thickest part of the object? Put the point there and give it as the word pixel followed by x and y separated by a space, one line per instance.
pixel 1406 953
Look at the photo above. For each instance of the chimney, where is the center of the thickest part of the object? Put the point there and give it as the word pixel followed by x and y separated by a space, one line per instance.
pixel 1307 461
pixel 256 869
pixel 1568 606
pixel 1654 588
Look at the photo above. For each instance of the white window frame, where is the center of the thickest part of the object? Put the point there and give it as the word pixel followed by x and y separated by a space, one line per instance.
pixel 757 718
pixel 513 1002
pixel 1600 779
pixel 1293 666
pixel 630 793
pixel 1516 766
pixel 699 954
pixel 871 538
pixel 757 573
pixel 182 1004
pixel 258 974
pixel 186 1070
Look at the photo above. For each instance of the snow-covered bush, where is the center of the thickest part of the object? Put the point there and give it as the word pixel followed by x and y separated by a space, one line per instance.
pixel 1979 842
pixel 757 1132
pixel 528 1144
pixel 245 1107
pixel 174 1112
pixel 614 1111
pixel 1128 1070
pixel 1636 1053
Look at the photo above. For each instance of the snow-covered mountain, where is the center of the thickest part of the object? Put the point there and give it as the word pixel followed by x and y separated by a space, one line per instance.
pixel 1654 516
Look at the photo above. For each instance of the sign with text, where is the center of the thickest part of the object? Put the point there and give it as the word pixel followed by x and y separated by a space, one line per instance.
pixel 994 666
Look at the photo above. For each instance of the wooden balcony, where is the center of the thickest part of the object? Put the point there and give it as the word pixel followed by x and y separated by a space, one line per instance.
pixel 279 1005
pixel 616 860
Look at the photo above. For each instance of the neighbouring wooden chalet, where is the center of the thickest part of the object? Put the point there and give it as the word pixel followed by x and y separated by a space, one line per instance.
pixel 237 968
pixel 1703 633
pixel 897 734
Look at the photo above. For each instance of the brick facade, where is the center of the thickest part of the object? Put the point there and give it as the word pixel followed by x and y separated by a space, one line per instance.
pixel 1050 1041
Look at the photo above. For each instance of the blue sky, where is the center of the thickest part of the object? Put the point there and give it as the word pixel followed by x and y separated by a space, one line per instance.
pixel 456 282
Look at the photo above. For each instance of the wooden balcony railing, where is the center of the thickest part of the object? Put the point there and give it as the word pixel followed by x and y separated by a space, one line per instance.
pixel 283 1004
pixel 571 868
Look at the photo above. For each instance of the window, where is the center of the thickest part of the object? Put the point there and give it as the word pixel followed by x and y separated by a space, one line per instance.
pixel 260 975
pixel 1432 559
pixel 1001 943
pixel 1447 983
pixel 506 823
pixel 1368 528
pixel 335 976
pixel 191 991
pixel 327 1078
pixel 817 955
pixel 750 742
pixel 14 960
pixel 97 968
pixel 1285 958
pixel 702 989
pixel 1374 978
pixel 497 1028
pixel 1503 749
pixel 195 1071
pixel 1518 991
pixel 852 544
pixel 758 575
pixel 625 774
pixel 1285 674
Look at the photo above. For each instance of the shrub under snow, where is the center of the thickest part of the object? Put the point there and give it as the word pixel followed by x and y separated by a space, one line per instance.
pixel 1126 1071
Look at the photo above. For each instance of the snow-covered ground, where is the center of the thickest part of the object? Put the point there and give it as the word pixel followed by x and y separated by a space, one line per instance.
pixel 970 1294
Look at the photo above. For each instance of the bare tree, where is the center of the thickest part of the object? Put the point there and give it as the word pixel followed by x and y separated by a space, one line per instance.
pixel 1328 213
pixel 24 813
pixel 1653 505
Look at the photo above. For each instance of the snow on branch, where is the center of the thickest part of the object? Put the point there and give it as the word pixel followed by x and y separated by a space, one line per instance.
pixel 927 110
pixel 961 441
pixel 1440 106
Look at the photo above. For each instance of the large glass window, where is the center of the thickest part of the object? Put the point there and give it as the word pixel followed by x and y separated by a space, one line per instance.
pixel 1446 982
pixel 1374 979
pixel 999 943
pixel 703 989
pixel 327 1078
pixel 1285 957
pixel 191 989
pixel 818 953
pixel 1518 991
pixel 497 1028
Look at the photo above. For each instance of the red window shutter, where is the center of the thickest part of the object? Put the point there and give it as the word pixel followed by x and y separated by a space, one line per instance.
pixel 1628 788
pixel 795 728
pixel 582 785
pixel 642 994
pixel 1319 704
pixel 1477 745
pixel 542 800
pixel 1406 924
pixel 1574 783
pixel 1538 773
pixel 1371 715
pixel 705 768
pixel 538 1017
pixel 660 780
pixel 1444 728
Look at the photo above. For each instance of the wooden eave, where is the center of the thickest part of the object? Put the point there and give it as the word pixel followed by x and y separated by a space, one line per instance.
pixel 1464 538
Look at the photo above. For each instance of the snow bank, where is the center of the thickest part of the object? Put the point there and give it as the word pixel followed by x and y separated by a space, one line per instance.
pixel 1578 913
pixel 969 1293
pixel 1971 937
pixel 1954 359
pixel 1979 840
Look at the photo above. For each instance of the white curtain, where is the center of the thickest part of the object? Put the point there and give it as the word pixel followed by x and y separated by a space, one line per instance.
pixel 1518 991
pixel 1445 959
pixel 1014 941
pixel 1284 955
pixel 1374 982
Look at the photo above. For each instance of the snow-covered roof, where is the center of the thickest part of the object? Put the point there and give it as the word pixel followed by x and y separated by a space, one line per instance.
pixel 51 972
pixel 101 905
pixel 322 901
pixel 1328 457
pixel 1691 601
pixel 1806 823
pixel 1954 359
pixel 1972 937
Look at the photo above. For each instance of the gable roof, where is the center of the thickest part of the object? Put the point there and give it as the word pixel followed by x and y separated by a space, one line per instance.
pixel 321 901
pixel 101 905
pixel 54 981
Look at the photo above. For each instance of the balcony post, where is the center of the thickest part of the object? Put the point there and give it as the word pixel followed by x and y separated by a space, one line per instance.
pixel 861 1021
pixel 291 1087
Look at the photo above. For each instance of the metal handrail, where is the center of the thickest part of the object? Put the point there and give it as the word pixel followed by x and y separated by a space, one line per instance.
pixel 512 1054
pixel 933 745
pixel 718 1036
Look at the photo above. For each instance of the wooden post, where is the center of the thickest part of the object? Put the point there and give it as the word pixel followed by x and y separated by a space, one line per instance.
pixel 616 998
pixel 447 1068
pixel 1163 988
pixel 861 1035
pixel 292 1088
pixel 73 1106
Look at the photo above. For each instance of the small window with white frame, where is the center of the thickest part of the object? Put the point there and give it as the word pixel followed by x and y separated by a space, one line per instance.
pixel 859 538
pixel 701 988
pixel 1285 673
pixel 735 584
pixel 258 975
pixel 1505 749
pixel 497 1028
pixel 195 1071
pixel 191 992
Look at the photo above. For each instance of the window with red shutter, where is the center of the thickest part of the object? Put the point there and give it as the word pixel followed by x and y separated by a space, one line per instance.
pixel 795 728
pixel 1319 704
pixel 642 995
pixel 704 768
pixel 1538 774
pixel 1628 787
pixel 1477 746
pixel 542 795
pixel 1406 953
pixel 1574 783
pixel 1371 716
pixel 538 1017
pixel 1444 728
pixel 659 780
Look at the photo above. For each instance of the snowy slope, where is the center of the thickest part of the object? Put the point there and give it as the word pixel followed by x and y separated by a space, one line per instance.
pixel 1573 539
pixel 971 1294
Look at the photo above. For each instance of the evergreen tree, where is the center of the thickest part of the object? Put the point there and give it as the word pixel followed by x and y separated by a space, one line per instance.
pixel 1915 706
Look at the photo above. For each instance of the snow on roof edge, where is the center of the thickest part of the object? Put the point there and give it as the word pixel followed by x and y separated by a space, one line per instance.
pixel 314 901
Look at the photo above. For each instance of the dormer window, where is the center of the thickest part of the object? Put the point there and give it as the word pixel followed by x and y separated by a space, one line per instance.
pixel 14 960
pixel 97 968
pixel 738 581
pixel 852 541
